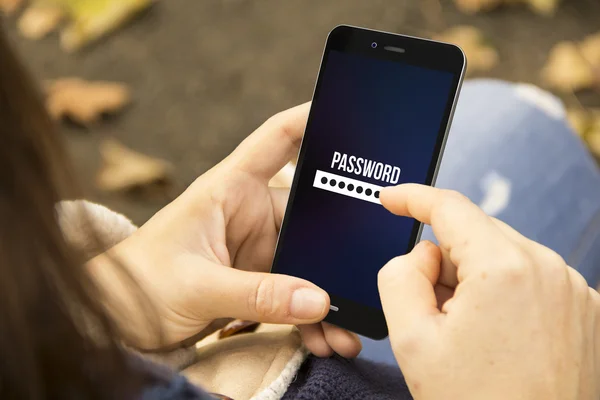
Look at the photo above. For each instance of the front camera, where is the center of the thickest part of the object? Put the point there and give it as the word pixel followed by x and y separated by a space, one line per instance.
pixel 374 45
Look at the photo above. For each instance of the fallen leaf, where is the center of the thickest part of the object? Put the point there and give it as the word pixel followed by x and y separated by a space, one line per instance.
pixel 480 56
pixel 590 49
pixel 475 6
pixel 84 102
pixel 543 7
pixel 125 169
pixel 595 126
pixel 586 123
pixel 40 19
pixel 93 19
pixel 10 6
pixel 567 69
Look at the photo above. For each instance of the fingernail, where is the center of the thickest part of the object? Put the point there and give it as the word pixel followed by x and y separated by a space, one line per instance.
pixel 307 304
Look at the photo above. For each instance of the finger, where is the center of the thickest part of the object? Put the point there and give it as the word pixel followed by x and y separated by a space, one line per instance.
pixel 443 293
pixel 460 226
pixel 271 146
pixel 341 341
pixel 314 340
pixel 262 297
pixel 406 286
pixel 448 271
pixel 279 197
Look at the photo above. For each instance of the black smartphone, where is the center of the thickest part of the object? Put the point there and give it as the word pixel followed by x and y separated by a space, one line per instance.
pixel 380 116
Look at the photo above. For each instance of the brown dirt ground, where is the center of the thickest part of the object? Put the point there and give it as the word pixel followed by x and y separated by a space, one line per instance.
pixel 206 73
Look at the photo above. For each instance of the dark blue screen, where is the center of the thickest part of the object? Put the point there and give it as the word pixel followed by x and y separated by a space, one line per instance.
pixel 379 110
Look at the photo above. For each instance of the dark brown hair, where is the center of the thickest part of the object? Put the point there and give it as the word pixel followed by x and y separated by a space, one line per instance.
pixel 47 301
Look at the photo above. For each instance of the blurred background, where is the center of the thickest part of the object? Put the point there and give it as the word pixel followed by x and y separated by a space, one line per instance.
pixel 168 88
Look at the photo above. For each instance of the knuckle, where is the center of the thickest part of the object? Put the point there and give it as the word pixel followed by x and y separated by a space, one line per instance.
pixel 280 123
pixel 453 196
pixel 578 283
pixel 548 258
pixel 447 203
pixel 275 119
pixel 262 300
pixel 515 264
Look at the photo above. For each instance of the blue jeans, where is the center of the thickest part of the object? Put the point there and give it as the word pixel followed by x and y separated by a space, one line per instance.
pixel 511 151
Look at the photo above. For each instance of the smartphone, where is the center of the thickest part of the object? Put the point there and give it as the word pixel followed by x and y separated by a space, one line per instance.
pixel 380 116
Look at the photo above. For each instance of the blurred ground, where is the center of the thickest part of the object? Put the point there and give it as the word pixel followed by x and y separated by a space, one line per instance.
pixel 206 73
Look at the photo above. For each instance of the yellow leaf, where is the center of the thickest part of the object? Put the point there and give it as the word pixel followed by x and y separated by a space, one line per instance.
pixel 10 6
pixel 125 169
pixel 590 49
pixel 543 7
pixel 93 19
pixel 475 6
pixel 85 102
pixel 567 69
pixel 480 56
pixel 39 19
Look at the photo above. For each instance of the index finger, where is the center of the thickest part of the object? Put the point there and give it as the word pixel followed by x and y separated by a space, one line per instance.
pixel 273 144
pixel 461 227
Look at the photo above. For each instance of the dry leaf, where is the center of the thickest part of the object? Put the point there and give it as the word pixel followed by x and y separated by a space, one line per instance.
pixel 567 69
pixel 590 49
pixel 126 169
pixel 543 7
pixel 475 6
pixel 94 19
pixel 84 102
pixel 10 6
pixel 480 56
pixel 586 123
pixel 40 19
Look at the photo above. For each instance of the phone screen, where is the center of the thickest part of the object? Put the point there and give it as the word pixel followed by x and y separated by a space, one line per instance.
pixel 374 122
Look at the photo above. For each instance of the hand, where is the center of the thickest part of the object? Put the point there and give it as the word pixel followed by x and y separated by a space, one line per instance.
pixel 207 255
pixel 488 314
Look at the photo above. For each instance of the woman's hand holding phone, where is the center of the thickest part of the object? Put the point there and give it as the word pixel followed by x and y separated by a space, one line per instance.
pixel 487 314
pixel 207 255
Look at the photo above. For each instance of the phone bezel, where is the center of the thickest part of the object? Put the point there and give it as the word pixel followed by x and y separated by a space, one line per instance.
pixel 356 317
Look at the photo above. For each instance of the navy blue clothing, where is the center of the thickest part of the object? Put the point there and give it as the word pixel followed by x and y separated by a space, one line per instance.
pixel 339 378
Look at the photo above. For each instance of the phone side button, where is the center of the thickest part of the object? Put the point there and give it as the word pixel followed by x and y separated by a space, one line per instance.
pixel 334 308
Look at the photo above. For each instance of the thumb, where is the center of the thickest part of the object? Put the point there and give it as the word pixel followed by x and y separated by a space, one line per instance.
pixel 264 297
pixel 406 287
